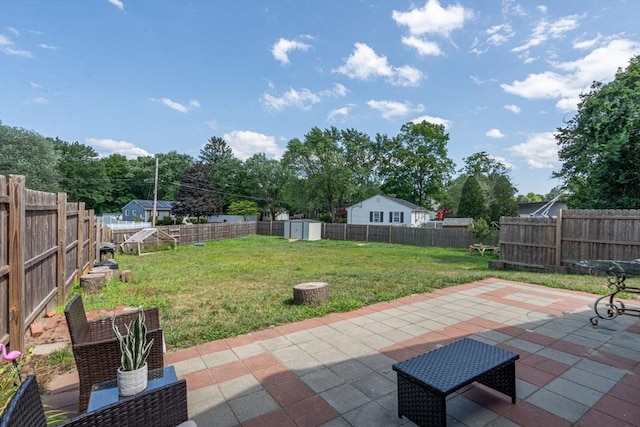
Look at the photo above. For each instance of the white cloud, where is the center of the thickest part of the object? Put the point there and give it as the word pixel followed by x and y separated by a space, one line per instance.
pixel 540 151
pixel 35 85
pixel 245 144
pixel 435 120
pixel 177 106
pixel 479 81
pixel 41 100
pixel 6 46
pixel 542 8
pixel 510 7
pixel 391 109
pixel 106 147
pixel 117 3
pixel 302 99
pixel 339 114
pixel 13 31
pixel 433 19
pixel 212 124
pixel 494 133
pixel 513 108
pixel 423 47
pixel 46 46
pixel 282 47
pixel 506 163
pixel 587 44
pixel 574 77
pixel 497 35
pixel 544 28
pixel 366 64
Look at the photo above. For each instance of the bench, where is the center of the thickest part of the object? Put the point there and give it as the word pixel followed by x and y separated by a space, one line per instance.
pixel 425 381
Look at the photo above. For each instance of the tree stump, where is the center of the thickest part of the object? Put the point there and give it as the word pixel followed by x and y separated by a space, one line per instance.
pixel 126 276
pixel 312 293
pixel 92 283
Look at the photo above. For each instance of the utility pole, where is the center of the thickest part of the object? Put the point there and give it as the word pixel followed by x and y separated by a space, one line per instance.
pixel 155 196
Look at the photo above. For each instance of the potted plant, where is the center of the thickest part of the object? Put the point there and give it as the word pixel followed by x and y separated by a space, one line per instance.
pixel 132 373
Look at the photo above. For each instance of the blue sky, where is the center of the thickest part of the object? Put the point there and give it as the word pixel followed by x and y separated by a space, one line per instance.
pixel 139 77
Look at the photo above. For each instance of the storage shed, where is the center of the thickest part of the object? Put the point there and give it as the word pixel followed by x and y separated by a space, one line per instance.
pixel 303 229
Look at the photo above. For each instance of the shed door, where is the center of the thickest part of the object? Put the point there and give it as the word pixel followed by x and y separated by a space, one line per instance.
pixel 297 230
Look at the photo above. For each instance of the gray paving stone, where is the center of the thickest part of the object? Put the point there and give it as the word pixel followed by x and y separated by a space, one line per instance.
pixel 336 422
pixel 350 369
pixel 331 356
pixel 587 379
pixel 253 405
pixel 550 332
pixel 502 422
pixel 559 356
pixel 469 413
pixel 344 398
pixel 237 387
pixel 372 414
pixel 525 389
pixel 249 350
pixel 524 345
pixel 188 366
pixel 374 385
pixel 561 406
pixel 215 416
pixel 322 380
pixel 216 359
pixel 601 369
pixel 574 391
pixel 377 361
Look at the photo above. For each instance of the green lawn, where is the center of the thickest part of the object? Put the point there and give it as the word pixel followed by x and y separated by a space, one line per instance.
pixel 229 287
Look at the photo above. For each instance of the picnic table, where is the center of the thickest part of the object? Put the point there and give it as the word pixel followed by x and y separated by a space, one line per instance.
pixel 607 307
pixel 482 249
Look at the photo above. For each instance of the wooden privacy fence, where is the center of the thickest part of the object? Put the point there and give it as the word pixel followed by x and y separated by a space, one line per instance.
pixel 556 244
pixel 45 244
pixel 185 234
pixel 439 237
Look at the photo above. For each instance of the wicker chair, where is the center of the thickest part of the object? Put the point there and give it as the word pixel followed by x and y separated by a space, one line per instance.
pixel 96 349
pixel 161 407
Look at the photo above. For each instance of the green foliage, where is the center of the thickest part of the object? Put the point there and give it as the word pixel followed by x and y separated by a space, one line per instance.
pixel 134 348
pixel 224 169
pixel 480 229
pixel 600 145
pixel 25 152
pixel 472 200
pixel 62 357
pixel 244 208
pixel 414 165
pixel 197 195
pixel 326 217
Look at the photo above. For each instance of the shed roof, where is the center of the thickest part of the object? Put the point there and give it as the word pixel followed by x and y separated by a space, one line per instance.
pixel 456 222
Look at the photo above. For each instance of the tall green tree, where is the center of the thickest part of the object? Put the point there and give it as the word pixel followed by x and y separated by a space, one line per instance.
pixel 171 167
pixel 472 200
pixel 197 195
pixel 224 168
pixel 25 152
pixel 319 163
pixel 83 175
pixel 600 145
pixel 414 165
pixel 118 171
pixel 265 180
pixel 244 208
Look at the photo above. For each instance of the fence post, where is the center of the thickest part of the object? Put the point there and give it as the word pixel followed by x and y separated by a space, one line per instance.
pixel 344 233
pixel 80 246
pixel 92 239
pixel 62 247
pixel 17 223
pixel 559 238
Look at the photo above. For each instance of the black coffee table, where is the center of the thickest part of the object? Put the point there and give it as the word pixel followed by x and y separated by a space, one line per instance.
pixel 425 381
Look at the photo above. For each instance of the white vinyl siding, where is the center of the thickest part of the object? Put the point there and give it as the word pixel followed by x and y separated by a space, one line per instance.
pixel 396 217
pixel 376 216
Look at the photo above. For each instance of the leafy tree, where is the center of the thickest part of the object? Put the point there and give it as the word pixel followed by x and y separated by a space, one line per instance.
pixel 480 230
pixel 224 168
pixel 600 145
pixel 414 164
pixel 502 202
pixel 171 166
pixel 84 177
pixel 244 208
pixel 530 197
pixel 472 200
pixel 119 174
pixel 25 152
pixel 319 163
pixel 266 179
pixel 197 195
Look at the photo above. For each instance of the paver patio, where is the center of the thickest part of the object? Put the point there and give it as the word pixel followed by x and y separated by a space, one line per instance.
pixel 336 370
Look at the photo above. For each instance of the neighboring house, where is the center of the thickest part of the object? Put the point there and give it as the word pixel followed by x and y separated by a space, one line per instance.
pixel 456 222
pixel 142 210
pixel 541 209
pixel 387 210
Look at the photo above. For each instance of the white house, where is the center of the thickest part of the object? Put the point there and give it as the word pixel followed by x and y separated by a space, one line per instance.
pixel 387 210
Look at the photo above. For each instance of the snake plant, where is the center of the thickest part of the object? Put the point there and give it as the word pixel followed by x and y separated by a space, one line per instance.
pixel 133 345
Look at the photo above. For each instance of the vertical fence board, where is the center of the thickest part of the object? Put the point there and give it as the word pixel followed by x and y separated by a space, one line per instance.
pixel 4 260
pixel 16 261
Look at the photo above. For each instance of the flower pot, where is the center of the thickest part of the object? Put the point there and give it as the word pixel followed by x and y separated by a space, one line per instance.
pixel 132 382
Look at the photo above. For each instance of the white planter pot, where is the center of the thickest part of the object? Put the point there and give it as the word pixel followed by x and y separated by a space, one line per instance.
pixel 132 382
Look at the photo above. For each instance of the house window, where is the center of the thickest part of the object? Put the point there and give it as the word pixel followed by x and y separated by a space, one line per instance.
pixel 126 212
pixel 396 217
pixel 375 216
